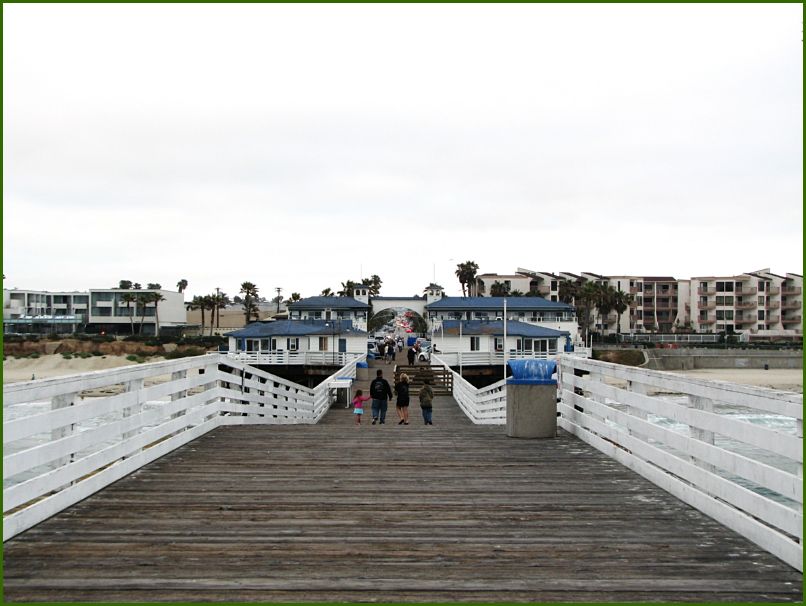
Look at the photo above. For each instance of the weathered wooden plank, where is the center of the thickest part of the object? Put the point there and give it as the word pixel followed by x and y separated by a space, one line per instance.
pixel 331 512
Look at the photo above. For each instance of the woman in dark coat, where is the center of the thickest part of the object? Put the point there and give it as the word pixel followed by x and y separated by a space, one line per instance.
pixel 402 391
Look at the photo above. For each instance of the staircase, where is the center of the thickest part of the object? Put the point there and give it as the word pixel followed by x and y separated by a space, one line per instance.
pixel 439 377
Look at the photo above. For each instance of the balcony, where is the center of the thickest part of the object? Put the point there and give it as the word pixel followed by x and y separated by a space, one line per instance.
pixel 774 291
pixel 707 320
pixel 706 291
pixel 774 305
pixel 790 290
pixel 752 290
pixel 744 320
pixel 634 290
pixel 709 305
pixel 772 319
pixel 791 320
pixel 750 305
pixel 791 305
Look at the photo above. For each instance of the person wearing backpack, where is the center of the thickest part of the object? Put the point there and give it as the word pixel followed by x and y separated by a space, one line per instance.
pixel 381 392
pixel 426 400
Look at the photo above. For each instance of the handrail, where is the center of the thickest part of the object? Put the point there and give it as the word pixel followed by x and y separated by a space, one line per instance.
pixel 102 425
pixel 695 439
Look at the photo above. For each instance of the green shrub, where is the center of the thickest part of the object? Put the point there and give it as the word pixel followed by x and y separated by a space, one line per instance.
pixel 96 353
pixel 190 351
pixel 67 356
pixel 131 358
pixel 34 355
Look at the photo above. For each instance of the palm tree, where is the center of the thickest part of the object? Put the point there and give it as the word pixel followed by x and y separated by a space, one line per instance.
pixel 604 302
pixel 182 285
pixel 621 301
pixel 499 289
pixel 347 289
pixel 154 286
pixel 143 299
pixel 137 286
pixel 586 298
pixel 516 293
pixel 250 293
pixel 125 284
pixel 195 304
pixel 466 272
pixel 432 286
pixel 295 296
pixel 128 298
pixel 155 299
pixel 327 292
pixel 568 291
pixel 374 285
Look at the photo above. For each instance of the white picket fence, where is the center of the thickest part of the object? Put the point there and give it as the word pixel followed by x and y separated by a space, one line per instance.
pixel 702 441
pixel 67 437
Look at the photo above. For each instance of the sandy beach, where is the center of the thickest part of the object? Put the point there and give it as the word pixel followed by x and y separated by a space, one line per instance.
pixel 55 365
pixel 785 379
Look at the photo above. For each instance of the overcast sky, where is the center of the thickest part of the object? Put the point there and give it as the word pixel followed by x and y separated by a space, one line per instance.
pixel 303 146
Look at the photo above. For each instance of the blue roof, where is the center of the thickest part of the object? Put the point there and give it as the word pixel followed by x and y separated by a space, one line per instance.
pixel 497 303
pixel 295 328
pixel 328 303
pixel 496 328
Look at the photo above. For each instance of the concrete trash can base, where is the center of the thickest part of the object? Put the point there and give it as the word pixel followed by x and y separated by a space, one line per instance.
pixel 532 399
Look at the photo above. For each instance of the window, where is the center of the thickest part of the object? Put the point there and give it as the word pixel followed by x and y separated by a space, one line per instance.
pixel 292 344
pixel 323 344
pixel 475 343
pixel 762 286
pixel 760 314
pixel 554 285
pixel 481 315
pixel 524 344
pixel 729 314
pixel 499 343
pixel 761 300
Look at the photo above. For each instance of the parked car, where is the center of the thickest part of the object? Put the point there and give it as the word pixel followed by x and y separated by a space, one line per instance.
pixel 372 348
pixel 425 354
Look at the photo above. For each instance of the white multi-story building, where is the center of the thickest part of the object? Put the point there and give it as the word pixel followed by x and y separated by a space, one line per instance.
pixel 97 310
pixel 757 303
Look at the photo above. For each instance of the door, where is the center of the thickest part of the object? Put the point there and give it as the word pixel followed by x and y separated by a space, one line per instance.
pixel 342 345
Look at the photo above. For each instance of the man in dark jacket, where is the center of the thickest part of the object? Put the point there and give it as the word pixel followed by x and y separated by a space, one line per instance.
pixel 381 392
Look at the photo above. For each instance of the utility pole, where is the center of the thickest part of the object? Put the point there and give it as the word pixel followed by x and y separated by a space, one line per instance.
pixel 217 308
pixel 279 290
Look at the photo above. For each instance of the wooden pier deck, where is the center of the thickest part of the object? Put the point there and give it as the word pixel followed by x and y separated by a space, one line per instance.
pixel 331 512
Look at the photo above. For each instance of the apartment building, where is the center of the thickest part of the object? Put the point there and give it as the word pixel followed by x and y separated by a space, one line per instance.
pixel 97 310
pixel 757 303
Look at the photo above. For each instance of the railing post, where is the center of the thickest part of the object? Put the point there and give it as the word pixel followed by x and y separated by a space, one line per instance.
pixel 703 435
pixel 175 376
pixel 57 402
pixel 135 386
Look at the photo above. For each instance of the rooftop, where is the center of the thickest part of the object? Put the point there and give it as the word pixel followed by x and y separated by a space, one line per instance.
pixel 496 327
pixel 497 303
pixel 295 328
pixel 328 303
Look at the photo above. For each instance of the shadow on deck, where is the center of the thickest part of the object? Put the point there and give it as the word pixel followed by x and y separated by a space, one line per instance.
pixel 332 512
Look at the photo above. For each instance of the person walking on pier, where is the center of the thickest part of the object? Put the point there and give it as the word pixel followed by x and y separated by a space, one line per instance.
pixel 358 405
pixel 411 354
pixel 426 402
pixel 402 390
pixel 381 393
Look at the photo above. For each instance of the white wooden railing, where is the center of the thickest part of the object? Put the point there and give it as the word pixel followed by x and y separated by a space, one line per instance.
pixel 339 358
pixel 695 439
pixel 484 406
pixel 67 437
